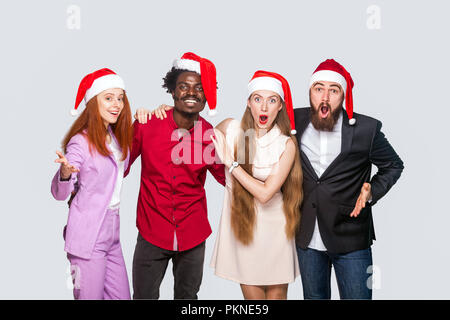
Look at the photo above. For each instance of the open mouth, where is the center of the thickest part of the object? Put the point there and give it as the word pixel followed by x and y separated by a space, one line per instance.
pixel 114 113
pixel 324 110
pixel 263 119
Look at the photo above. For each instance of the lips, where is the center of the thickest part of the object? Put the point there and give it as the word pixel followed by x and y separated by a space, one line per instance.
pixel 263 119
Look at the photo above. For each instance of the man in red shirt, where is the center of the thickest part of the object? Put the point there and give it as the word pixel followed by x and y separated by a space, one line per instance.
pixel 175 154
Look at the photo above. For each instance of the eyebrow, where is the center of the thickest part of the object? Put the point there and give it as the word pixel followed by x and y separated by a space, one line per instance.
pixel 331 85
pixel 272 96
pixel 188 83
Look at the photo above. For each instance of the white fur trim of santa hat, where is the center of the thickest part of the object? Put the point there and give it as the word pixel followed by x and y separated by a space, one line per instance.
pixel 109 81
pixel 187 64
pixel 266 83
pixel 328 75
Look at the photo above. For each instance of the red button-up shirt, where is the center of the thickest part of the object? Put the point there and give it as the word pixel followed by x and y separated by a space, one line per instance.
pixel 172 197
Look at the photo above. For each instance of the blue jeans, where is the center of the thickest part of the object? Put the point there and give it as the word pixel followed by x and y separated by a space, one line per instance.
pixel 351 271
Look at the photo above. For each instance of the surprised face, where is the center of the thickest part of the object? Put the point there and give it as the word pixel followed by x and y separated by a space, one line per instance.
pixel 326 104
pixel 264 106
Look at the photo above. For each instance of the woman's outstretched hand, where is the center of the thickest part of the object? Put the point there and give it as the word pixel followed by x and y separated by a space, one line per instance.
pixel 66 168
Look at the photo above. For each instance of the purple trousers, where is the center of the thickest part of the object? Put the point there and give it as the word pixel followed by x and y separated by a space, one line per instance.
pixel 104 276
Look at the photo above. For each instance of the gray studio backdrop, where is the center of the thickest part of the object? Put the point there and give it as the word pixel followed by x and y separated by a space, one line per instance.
pixel 396 52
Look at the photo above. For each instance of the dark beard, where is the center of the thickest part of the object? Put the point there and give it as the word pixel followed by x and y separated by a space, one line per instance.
pixel 324 124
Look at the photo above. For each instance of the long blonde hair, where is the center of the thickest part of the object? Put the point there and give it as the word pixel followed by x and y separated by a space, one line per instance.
pixel 243 216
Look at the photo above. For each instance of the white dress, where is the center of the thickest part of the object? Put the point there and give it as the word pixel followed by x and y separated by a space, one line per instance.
pixel 270 258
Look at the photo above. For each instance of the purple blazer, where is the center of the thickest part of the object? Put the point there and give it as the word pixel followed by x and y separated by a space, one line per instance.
pixel 96 182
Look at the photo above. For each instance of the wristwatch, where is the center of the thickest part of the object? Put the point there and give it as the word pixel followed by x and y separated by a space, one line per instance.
pixel 233 165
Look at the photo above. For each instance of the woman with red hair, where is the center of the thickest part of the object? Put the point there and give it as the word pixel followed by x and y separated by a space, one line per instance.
pixel 96 153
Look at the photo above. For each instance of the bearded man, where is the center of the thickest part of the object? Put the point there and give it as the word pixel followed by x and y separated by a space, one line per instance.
pixel 338 148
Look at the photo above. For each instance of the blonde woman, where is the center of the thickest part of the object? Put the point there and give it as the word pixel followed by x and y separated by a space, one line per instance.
pixel 255 244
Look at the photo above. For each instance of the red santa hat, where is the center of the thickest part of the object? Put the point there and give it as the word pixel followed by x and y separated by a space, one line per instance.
pixel 207 71
pixel 94 83
pixel 330 70
pixel 265 80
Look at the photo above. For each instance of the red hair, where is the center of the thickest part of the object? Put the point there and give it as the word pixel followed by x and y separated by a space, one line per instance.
pixel 90 124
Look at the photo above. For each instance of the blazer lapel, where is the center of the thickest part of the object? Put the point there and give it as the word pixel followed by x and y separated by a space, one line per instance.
pixel 113 137
pixel 301 123
pixel 111 156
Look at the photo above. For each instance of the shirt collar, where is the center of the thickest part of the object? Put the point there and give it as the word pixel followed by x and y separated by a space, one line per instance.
pixel 269 137
pixel 173 124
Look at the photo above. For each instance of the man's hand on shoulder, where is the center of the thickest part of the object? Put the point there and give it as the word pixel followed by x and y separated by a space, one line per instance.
pixel 142 114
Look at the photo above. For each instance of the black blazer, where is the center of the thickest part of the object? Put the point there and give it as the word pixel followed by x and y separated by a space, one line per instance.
pixel 333 197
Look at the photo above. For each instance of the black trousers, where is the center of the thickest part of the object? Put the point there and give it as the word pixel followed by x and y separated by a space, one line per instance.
pixel 150 264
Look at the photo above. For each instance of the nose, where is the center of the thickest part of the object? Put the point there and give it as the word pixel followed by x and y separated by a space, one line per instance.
pixel 326 96
pixel 264 107
pixel 191 91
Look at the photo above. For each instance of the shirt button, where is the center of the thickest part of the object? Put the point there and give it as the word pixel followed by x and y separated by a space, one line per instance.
pixel 174 177
pixel 314 205
pixel 176 226
pixel 318 182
